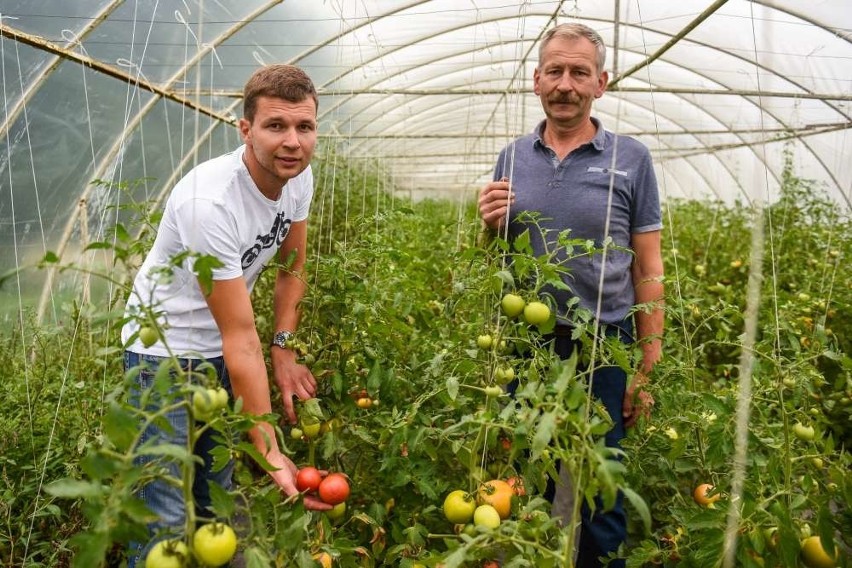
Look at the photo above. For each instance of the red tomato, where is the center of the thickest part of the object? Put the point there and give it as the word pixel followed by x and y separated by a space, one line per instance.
pixel 308 479
pixel 517 485
pixel 334 488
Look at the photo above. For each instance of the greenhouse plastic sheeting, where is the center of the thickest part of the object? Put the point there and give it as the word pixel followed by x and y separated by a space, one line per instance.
pixel 110 101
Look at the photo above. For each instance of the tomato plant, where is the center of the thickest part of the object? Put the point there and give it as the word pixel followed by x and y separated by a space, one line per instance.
pixel 393 311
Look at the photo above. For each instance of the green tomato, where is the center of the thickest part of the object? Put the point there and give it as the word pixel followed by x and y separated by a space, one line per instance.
pixel 222 398
pixel 536 313
pixel 214 544
pixel 803 432
pixel 148 336
pixel 493 391
pixel 504 375
pixel 311 429
pixel 814 554
pixel 486 516
pixel 337 512
pixel 168 554
pixel 207 402
pixel 459 507
pixel 296 433
pixel 484 341
pixel 512 305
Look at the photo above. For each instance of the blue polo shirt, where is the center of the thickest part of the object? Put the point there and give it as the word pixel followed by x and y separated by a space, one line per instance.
pixel 574 194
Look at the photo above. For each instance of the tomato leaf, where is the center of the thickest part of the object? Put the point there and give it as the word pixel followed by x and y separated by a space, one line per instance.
pixel 452 385
pixel 221 501
pixel 91 548
pixel 640 506
pixel 544 433
pixel 120 426
pixel 256 557
pixel 75 489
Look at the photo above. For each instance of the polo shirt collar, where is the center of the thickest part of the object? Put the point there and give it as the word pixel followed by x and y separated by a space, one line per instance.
pixel 599 141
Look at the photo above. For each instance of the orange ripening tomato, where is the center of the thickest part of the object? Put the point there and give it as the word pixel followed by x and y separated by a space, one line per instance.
pixel 702 495
pixel 498 494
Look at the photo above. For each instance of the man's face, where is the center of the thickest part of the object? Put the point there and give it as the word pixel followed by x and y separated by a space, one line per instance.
pixel 567 81
pixel 279 141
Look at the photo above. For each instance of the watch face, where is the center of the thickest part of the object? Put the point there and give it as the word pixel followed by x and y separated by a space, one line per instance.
pixel 281 338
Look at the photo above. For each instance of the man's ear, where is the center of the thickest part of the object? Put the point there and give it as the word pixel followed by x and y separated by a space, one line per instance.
pixel 603 81
pixel 536 75
pixel 244 127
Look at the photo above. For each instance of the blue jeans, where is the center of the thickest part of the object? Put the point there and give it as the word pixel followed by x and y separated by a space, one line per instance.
pixel 601 532
pixel 165 499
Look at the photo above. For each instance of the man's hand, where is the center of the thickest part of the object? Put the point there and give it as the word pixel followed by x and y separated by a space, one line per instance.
pixel 494 201
pixel 637 401
pixel 285 477
pixel 292 379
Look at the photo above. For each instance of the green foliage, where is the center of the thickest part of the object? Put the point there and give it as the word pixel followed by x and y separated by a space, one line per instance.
pixel 397 294
pixel 802 373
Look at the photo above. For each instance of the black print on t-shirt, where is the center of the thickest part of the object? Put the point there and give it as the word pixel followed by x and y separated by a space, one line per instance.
pixel 276 236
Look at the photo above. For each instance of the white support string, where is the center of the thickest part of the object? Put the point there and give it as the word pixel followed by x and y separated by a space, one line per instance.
pixel 746 363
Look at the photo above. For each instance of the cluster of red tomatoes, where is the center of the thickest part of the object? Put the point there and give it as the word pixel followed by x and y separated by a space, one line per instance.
pixel 332 488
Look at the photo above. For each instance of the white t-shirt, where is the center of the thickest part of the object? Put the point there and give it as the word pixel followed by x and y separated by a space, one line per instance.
pixel 218 210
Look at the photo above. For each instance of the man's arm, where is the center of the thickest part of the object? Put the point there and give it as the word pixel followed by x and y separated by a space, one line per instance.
pixel 647 273
pixel 230 304
pixel 292 378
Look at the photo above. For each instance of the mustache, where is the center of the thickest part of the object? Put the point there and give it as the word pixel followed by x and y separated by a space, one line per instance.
pixel 563 99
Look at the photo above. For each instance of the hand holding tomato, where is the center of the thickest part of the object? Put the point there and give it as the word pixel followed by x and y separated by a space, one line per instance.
pixel 285 477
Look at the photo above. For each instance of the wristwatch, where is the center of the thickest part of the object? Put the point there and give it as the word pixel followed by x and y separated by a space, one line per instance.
pixel 281 338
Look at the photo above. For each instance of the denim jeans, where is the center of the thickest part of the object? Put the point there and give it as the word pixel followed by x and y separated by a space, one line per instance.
pixel 166 499
pixel 601 532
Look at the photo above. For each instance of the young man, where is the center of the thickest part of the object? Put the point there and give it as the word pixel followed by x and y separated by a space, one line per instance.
pixel 242 208
pixel 566 171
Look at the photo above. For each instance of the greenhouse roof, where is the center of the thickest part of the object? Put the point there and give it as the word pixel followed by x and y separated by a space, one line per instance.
pixel 725 93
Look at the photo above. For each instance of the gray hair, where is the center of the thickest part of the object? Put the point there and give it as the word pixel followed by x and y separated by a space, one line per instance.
pixel 576 31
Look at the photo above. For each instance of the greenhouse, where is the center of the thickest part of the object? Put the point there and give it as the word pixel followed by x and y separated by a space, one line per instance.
pixel 420 329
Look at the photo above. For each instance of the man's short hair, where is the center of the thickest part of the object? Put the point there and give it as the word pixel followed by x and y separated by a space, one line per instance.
pixel 576 31
pixel 286 82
